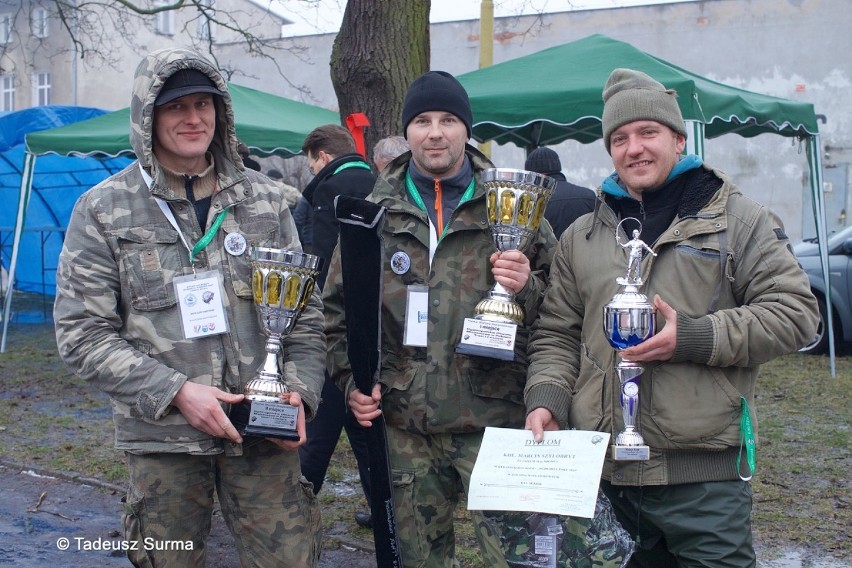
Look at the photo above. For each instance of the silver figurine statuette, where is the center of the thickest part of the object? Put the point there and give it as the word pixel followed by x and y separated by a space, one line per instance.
pixel 282 284
pixel 629 319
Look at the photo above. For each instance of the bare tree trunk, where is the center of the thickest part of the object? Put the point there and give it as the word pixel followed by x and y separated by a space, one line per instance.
pixel 383 45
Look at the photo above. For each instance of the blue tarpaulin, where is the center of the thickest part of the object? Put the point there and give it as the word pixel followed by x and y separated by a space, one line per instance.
pixel 57 182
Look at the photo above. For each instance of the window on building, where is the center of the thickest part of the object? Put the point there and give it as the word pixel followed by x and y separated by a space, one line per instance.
pixel 165 21
pixel 205 27
pixel 39 22
pixel 5 28
pixel 7 86
pixel 41 89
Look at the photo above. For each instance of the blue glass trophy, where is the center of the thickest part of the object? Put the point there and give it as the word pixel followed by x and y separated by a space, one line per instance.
pixel 629 319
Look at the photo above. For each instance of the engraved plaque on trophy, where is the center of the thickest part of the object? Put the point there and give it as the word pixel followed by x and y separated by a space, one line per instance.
pixel 515 203
pixel 629 319
pixel 282 283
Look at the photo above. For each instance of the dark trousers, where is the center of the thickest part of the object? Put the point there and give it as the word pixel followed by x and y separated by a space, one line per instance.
pixel 686 526
pixel 324 433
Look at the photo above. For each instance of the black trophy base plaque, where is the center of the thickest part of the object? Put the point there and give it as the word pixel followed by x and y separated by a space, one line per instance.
pixel 275 419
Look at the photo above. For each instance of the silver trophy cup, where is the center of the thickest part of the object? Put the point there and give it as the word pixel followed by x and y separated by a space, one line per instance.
pixel 515 203
pixel 282 284
pixel 628 320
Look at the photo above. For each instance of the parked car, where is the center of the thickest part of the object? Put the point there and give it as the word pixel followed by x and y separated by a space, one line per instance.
pixel 840 274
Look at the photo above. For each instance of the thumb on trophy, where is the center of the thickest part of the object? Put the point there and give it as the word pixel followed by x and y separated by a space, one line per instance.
pixel 665 310
pixel 292 398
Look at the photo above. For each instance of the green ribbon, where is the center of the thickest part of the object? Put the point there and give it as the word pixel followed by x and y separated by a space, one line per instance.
pixel 208 236
pixel 355 164
pixel 747 440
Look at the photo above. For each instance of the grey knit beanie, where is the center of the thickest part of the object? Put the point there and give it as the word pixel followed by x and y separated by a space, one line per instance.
pixel 632 95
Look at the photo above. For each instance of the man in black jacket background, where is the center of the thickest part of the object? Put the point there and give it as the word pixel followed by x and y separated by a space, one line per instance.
pixel 569 201
pixel 338 170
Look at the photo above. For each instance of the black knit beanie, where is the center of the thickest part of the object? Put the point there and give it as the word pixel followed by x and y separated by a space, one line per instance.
pixel 436 90
pixel 544 161
pixel 632 95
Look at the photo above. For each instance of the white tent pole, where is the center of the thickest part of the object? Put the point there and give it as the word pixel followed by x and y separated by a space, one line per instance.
pixel 23 202
pixel 815 165
pixel 695 140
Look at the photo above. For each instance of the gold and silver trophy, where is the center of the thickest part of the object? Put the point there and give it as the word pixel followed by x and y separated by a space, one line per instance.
pixel 515 203
pixel 282 284
pixel 629 319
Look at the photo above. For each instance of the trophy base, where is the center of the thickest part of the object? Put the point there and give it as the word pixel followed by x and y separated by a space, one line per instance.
pixel 631 453
pixel 484 338
pixel 267 419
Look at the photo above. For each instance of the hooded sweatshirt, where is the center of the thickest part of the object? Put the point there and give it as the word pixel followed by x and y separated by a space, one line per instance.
pixel 118 323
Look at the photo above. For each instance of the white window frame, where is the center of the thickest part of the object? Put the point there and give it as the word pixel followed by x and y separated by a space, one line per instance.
pixel 40 23
pixel 7 88
pixel 41 88
pixel 205 27
pixel 5 28
pixel 165 23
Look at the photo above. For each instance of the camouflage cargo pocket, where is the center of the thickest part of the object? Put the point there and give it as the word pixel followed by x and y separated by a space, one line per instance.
pixel 133 506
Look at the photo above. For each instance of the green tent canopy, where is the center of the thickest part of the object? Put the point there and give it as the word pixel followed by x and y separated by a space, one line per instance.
pixel 268 125
pixel 554 95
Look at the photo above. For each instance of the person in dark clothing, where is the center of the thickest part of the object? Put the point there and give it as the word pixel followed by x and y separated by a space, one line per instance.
pixel 338 170
pixel 248 161
pixel 569 201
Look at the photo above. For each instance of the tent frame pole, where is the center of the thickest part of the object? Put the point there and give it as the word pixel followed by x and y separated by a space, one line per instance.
pixel 23 203
pixel 814 153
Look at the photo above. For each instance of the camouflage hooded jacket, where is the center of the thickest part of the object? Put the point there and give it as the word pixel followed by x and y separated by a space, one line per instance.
pixel 433 389
pixel 117 320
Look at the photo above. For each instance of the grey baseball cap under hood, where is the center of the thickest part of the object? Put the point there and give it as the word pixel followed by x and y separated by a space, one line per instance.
pixel 151 74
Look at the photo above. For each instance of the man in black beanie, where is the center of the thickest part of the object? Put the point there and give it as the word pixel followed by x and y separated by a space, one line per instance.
pixel 729 295
pixel 568 201
pixel 441 262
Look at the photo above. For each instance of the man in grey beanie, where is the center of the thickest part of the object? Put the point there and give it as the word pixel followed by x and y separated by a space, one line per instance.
pixel 441 262
pixel 729 296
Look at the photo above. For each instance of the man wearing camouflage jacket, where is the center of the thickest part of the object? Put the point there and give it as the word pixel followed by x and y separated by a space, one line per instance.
pixel 188 208
pixel 437 402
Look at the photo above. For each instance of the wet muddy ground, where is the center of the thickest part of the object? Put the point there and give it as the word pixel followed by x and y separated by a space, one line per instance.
pixel 50 521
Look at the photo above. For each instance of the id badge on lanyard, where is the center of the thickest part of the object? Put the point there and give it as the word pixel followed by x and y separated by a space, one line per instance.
pixel 200 296
pixel 202 310
pixel 416 316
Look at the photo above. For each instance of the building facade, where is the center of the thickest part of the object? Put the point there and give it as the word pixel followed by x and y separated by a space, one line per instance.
pixel 793 49
pixel 40 66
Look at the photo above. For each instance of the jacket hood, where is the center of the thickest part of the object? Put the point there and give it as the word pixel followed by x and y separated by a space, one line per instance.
pixel 151 74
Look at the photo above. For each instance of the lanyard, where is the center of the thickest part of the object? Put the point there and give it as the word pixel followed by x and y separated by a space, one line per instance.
pixel 164 207
pixel 747 440
pixel 415 196
pixel 203 242
pixel 348 165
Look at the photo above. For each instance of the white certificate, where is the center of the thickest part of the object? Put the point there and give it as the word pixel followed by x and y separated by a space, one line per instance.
pixel 559 475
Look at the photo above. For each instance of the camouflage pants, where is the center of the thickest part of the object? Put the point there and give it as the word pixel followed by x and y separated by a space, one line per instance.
pixel 427 473
pixel 273 515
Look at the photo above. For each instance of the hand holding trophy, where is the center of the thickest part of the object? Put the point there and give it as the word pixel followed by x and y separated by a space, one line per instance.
pixel 515 203
pixel 629 319
pixel 282 284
